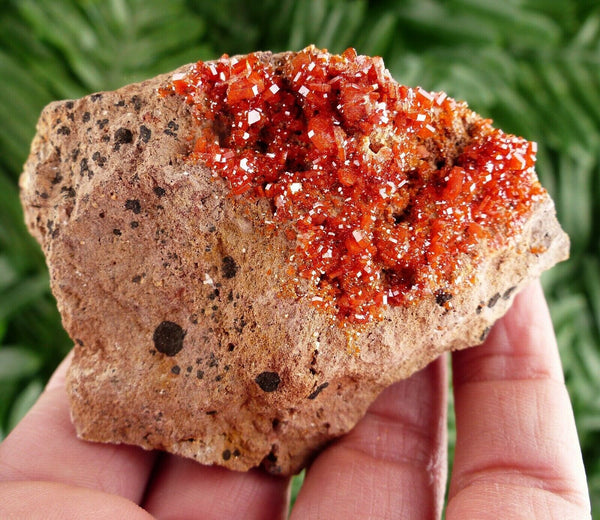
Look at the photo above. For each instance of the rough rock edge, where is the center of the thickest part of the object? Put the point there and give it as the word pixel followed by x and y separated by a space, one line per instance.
pixel 79 188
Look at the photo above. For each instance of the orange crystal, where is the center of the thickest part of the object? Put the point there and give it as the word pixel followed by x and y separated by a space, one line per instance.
pixel 340 149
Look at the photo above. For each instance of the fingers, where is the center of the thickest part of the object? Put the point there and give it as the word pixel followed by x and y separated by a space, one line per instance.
pixel 392 465
pixel 184 489
pixel 517 452
pixel 44 447
pixel 54 501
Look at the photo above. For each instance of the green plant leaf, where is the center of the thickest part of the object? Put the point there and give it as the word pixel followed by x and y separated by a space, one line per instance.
pixel 17 362
pixel 109 44
pixel 24 292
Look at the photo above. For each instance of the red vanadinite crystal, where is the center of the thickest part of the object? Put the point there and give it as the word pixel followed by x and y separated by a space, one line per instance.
pixel 339 148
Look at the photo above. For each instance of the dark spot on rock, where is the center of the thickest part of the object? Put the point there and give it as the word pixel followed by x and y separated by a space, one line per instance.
pixel 313 361
pixel 69 104
pixel 171 129
pixel 168 338
pixel 230 347
pixel 117 232
pixel 99 159
pixel 485 333
pixel 218 378
pixel 479 308
pixel 159 192
pixel 239 324
pixel 102 123
pixel 137 278
pixel 79 342
pixel 145 134
pixel 442 297
pixel 275 423
pixel 211 412
pixel 57 178
pixel 84 167
pixel 229 267
pixel 200 374
pixel 268 381
pixel 236 453
pixel 507 294
pixel 105 138
pixel 214 362
pixel 63 130
pixel 271 457
pixel 189 368
pixel 96 97
pixel 68 191
pixel 226 455
pixel 318 390
pixel 102 214
pixel 176 370
pixel 86 117
pixel 137 103
pixel 120 103
pixel 133 205
pixel 226 368
pixel 493 300
pixel 122 136
pixel 134 224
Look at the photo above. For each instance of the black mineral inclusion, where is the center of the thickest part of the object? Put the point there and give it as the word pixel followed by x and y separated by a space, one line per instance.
pixel 268 381
pixel 168 338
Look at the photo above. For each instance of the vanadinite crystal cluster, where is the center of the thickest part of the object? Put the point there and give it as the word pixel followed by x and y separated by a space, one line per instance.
pixel 391 189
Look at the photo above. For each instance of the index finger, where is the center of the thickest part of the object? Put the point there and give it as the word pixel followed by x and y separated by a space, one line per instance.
pixel 45 447
pixel 517 446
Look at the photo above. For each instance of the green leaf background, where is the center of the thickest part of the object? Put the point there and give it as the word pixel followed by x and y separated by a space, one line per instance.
pixel 531 65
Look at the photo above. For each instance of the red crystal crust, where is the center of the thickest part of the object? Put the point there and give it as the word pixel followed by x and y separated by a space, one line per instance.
pixel 344 152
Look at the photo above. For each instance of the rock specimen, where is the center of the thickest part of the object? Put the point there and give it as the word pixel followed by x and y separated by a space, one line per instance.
pixel 247 251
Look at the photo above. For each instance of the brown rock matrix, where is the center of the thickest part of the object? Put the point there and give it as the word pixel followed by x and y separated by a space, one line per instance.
pixel 198 326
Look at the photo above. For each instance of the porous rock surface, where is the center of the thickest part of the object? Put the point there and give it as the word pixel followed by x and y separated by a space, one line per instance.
pixel 187 337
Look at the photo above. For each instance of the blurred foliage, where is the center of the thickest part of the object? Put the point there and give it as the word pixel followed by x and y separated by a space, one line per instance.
pixel 531 65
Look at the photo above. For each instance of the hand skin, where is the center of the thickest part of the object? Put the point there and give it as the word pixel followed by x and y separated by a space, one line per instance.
pixel 517 452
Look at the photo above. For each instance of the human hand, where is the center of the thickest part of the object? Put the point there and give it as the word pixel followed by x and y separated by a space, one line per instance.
pixel 517 452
